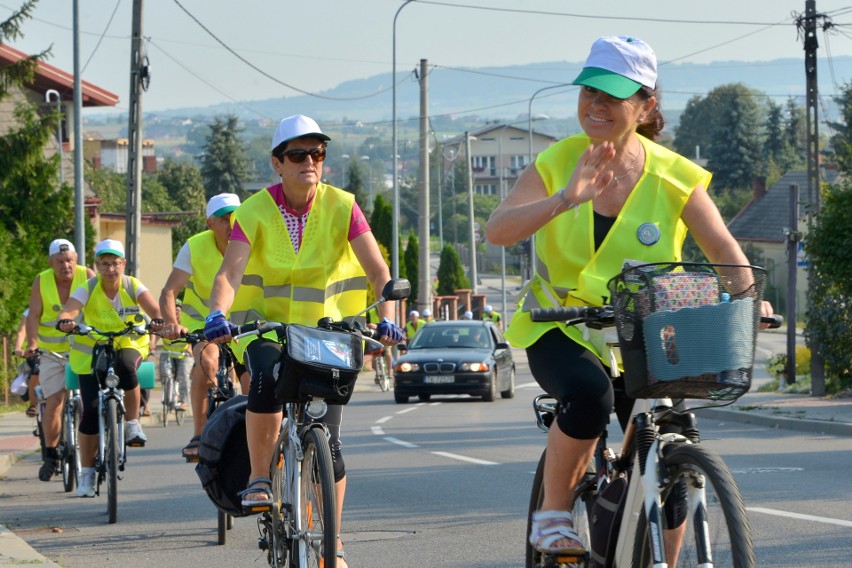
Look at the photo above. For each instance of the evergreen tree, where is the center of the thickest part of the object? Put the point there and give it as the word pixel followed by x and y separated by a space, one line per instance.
pixel 183 184
pixel 224 162
pixel 841 141
pixel 451 275
pixel 412 263
pixel 355 184
pixel 34 209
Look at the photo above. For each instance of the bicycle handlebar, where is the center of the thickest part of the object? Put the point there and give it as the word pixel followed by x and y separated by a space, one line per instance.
pixel 260 327
pixel 83 329
pixel 604 316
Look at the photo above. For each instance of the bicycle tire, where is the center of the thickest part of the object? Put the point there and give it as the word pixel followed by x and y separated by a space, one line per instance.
pixel 68 457
pixel 318 512
pixel 279 543
pixel 583 500
pixel 111 461
pixel 729 536
pixel 168 393
pixel 382 375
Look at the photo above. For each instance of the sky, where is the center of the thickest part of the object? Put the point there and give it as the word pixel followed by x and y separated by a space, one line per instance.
pixel 259 49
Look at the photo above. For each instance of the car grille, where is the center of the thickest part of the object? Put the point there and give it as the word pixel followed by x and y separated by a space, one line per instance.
pixel 439 367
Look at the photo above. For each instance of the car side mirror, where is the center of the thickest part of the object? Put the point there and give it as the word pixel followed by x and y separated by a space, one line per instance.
pixel 396 289
pixel 502 345
pixel 402 347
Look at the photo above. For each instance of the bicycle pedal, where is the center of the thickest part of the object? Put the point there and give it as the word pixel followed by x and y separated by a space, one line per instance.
pixel 137 443
pixel 191 459
pixel 254 509
pixel 564 560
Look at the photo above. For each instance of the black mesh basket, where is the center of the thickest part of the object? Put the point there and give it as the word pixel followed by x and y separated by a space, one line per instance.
pixel 688 330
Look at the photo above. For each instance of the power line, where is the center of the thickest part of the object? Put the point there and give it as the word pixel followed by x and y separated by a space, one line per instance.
pixel 267 75
pixel 100 39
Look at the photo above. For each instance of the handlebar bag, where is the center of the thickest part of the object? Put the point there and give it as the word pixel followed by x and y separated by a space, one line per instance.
pixel 319 363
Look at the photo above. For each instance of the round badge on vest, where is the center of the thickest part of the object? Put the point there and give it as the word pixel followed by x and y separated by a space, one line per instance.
pixel 648 234
pixel 56 308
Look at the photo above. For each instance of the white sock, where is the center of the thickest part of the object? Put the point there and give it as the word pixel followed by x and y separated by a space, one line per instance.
pixel 87 470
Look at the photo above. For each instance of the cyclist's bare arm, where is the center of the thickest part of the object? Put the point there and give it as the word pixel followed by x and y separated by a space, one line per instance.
pixel 177 281
pixel 69 313
pixel 227 280
pixel 33 317
pixel 368 254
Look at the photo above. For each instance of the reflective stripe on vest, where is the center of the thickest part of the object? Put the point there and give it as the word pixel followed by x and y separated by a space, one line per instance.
pixel 50 338
pixel 576 273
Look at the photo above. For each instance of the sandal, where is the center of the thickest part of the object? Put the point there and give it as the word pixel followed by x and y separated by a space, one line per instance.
pixel 31 411
pixel 190 451
pixel 549 527
pixel 254 488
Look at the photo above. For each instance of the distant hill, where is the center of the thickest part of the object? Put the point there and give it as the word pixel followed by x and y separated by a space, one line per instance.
pixel 504 92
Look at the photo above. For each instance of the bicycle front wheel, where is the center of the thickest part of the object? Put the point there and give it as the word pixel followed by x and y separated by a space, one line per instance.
pixel 382 375
pixel 717 530
pixel 584 495
pixel 112 454
pixel 318 542
pixel 70 462
pixel 168 399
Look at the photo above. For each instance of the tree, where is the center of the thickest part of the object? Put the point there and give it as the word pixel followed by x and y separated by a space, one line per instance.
pixel 451 275
pixel 356 185
pixel 183 184
pixel 726 125
pixel 841 141
pixel 35 209
pixel 412 263
pixel 224 162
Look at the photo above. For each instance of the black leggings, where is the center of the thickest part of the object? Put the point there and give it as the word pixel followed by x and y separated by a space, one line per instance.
pixel 126 362
pixel 576 378
pixel 261 360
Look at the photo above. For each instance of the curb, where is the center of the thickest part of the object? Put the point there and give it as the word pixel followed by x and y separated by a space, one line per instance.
pixel 15 551
pixel 798 424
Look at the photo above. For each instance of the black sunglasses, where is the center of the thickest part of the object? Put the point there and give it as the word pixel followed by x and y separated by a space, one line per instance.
pixel 298 155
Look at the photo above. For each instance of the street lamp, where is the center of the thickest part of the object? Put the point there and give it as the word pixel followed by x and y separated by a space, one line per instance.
pixel 366 160
pixel 345 159
pixel 395 222
pixel 47 95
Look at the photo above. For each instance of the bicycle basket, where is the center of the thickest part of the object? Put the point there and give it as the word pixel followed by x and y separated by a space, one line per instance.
pixel 688 330
pixel 318 363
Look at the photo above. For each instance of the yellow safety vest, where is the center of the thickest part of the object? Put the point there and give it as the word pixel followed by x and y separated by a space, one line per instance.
pixel 206 260
pixel 100 313
pixel 324 279
pixel 50 338
pixel 411 328
pixel 570 271
pixel 177 350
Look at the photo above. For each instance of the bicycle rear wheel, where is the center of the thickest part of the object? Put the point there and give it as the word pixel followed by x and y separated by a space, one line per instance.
pixel 111 461
pixel 279 543
pixel 583 499
pixel 318 545
pixel 718 529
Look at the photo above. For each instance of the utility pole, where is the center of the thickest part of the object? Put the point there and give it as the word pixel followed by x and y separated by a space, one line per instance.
pixel 793 237
pixel 424 272
pixel 471 220
pixel 809 27
pixel 79 191
pixel 134 143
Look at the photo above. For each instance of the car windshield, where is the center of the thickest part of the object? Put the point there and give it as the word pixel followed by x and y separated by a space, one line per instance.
pixel 440 337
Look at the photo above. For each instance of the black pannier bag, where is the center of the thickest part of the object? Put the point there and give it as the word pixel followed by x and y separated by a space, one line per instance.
pixel 605 520
pixel 319 363
pixel 223 458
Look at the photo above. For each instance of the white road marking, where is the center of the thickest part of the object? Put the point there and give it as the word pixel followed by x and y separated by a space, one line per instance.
pixel 464 458
pixel 383 419
pixel 529 385
pixel 377 430
pixel 404 410
pixel 777 513
pixel 399 442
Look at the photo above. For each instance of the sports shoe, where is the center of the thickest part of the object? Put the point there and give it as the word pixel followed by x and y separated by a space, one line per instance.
pixel 49 468
pixel 86 484
pixel 133 433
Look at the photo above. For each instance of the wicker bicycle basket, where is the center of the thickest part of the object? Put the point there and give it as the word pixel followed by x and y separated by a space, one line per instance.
pixel 688 330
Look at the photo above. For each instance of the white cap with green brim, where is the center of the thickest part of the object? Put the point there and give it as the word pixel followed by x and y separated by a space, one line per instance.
pixel 619 66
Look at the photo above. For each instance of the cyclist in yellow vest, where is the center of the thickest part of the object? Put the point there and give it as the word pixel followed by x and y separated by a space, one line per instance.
pixel 310 249
pixel 107 301
pixel 194 268
pixel 414 324
pixel 490 314
pixel 593 200
pixel 49 292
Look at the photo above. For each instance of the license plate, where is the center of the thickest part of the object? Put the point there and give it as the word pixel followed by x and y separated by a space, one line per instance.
pixel 439 379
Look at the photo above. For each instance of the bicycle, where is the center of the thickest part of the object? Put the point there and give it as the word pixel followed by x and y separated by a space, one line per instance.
pixel 300 528
pixel 380 366
pixel 217 395
pixel 662 462
pixel 111 457
pixel 170 390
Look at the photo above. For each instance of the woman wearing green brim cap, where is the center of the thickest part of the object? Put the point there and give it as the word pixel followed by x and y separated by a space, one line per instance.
pixel 593 200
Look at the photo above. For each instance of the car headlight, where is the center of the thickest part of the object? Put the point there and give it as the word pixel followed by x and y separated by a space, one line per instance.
pixel 406 367
pixel 475 367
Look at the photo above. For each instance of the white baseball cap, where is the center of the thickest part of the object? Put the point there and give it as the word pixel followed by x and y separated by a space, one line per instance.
pixel 468 315
pixel 619 66
pixel 60 245
pixel 427 313
pixel 110 246
pixel 222 204
pixel 297 126
pixel 413 313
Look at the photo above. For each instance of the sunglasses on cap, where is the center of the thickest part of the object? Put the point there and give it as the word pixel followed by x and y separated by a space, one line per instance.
pixel 298 155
